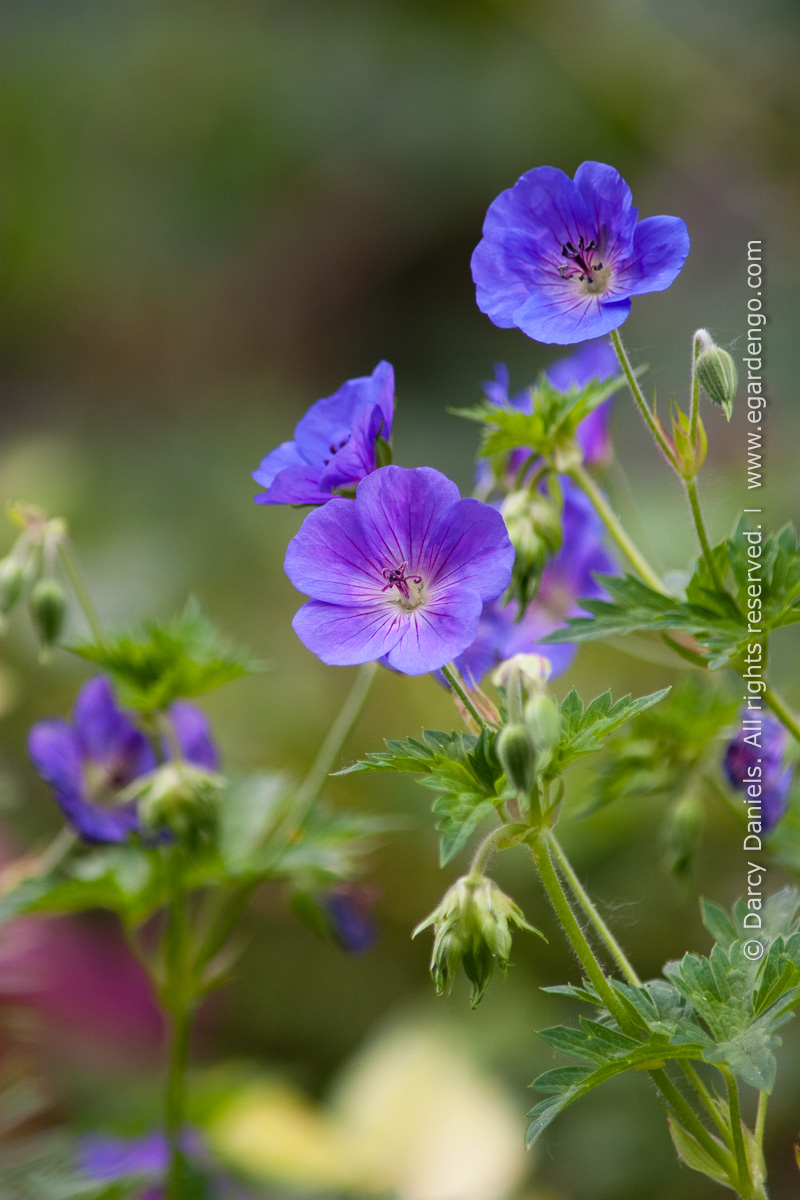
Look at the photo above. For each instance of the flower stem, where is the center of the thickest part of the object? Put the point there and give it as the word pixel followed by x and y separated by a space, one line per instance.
pixel 742 1166
pixel 781 711
pixel 450 672
pixel 180 1028
pixel 694 392
pixel 484 852
pixel 177 997
pixel 702 536
pixel 640 401
pixel 312 785
pixel 586 903
pixel 761 1118
pixel 612 523
pixel 81 591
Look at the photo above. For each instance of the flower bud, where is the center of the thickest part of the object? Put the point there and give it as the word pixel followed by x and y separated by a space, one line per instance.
pixel 517 758
pixel 543 722
pixel 471 930
pixel 180 798
pixel 716 373
pixel 12 581
pixel 532 670
pixel 534 527
pixel 683 826
pixel 48 610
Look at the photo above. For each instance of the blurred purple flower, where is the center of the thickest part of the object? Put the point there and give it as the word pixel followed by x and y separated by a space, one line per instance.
pixel 349 910
pixel 566 580
pixel 760 765
pixel 559 258
pixel 89 762
pixel 334 443
pixel 401 574
pixel 594 360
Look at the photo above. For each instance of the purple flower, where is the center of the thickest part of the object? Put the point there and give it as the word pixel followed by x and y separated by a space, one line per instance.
pixel 560 258
pixel 349 910
pixel 754 758
pixel 566 580
pixel 104 1158
pixel 594 360
pixel 334 444
pixel 400 574
pixel 90 761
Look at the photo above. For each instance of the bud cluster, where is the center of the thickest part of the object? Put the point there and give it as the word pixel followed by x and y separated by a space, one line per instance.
pixel 471 930
pixel 525 746
pixel 533 521
pixel 28 569
pixel 179 798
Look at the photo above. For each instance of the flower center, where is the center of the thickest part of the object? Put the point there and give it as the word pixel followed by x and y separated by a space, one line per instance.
pixel 335 447
pixel 582 267
pixel 409 586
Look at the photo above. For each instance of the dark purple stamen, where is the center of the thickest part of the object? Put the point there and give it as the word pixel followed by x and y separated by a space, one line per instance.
pixel 398 578
pixel 582 257
pixel 334 449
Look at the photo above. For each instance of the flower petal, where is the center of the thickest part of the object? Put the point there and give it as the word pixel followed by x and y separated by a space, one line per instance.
pixel 193 733
pixel 397 508
pixel 55 753
pixel 295 485
pixel 660 247
pixel 107 736
pixel 95 824
pixel 329 559
pixel 469 547
pixel 608 201
pixel 285 457
pixel 345 635
pixel 561 314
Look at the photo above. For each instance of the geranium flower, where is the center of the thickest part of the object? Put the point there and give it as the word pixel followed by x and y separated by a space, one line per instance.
pixel 747 765
pixel 400 574
pixel 90 761
pixel 334 444
pixel 568 578
pixel 560 258
pixel 594 360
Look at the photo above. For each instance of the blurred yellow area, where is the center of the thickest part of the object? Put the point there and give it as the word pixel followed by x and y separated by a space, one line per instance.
pixel 411 1115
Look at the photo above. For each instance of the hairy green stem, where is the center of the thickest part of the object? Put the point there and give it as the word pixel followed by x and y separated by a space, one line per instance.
pixel 581 476
pixel 586 903
pixel 761 1118
pixel 450 672
pixel 694 392
pixel 81 591
pixel 178 1000
pixel 483 855
pixel 742 1165
pixel 641 403
pixel 702 536
pixel 781 711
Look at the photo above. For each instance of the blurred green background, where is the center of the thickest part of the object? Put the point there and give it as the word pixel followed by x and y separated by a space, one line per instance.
pixel 215 213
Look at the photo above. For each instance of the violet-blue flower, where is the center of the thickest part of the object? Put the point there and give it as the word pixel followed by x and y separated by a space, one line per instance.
pixel 402 573
pixel 334 444
pixel 349 910
pixel 755 760
pixel 567 579
pixel 594 360
pixel 90 761
pixel 560 258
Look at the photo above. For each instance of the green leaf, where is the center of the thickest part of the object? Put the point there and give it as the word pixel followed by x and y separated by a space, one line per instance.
pixel 460 767
pixel 164 662
pixel 585 730
pixel 692 1153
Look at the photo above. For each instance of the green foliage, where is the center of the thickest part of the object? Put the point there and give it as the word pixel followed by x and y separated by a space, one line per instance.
pixel 166 661
pixel 462 768
pixel 714 619
pixel 584 730
pixel 549 427
pixel 723 1010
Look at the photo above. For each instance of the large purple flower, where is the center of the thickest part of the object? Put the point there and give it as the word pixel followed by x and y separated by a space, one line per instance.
pixel 559 258
pixel 334 444
pixel 567 579
pixel 400 574
pixel 754 764
pixel 90 761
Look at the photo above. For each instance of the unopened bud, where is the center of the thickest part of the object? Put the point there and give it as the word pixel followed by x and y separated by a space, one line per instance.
pixel 683 827
pixel 516 754
pixel 48 610
pixel 180 798
pixel 471 930
pixel 543 722
pixel 533 671
pixel 12 581
pixel 717 375
pixel 534 527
